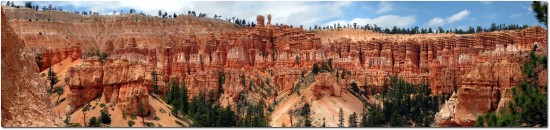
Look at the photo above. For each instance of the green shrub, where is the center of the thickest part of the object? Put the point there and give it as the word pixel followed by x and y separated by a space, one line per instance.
pixel 123 115
pixel 150 124
pixel 131 123
pixel 105 117
pixel 156 118
pixel 94 122
pixel 181 124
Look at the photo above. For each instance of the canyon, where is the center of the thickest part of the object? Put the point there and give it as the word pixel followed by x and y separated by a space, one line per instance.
pixel 266 62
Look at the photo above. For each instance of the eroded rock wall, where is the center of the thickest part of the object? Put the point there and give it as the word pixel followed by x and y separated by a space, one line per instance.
pixel 123 83
pixel 25 101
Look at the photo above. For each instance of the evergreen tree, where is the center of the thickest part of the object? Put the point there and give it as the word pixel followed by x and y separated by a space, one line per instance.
pixel 306 114
pixel 84 110
pixel 94 122
pixel 352 120
pixel 184 98
pixel 105 117
pixel 354 87
pixel 155 82
pixel 28 5
pixel 363 119
pixel 541 13
pixel 59 91
pixel 52 77
pixel 341 118
pixel 141 111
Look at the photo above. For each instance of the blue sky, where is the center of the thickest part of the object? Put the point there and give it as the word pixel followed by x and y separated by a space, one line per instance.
pixel 448 14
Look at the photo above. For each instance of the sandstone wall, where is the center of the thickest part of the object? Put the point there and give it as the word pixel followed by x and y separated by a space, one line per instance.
pixel 25 102
pixel 121 82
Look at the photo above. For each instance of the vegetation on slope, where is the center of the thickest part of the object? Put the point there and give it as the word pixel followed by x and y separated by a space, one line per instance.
pixel 529 106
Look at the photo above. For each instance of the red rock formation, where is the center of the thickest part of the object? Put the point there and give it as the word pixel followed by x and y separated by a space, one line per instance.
pixel 51 57
pixel 25 101
pixel 325 86
pixel 121 82
pixel 447 62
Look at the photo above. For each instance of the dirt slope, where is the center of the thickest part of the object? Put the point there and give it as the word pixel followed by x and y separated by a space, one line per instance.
pixel 326 106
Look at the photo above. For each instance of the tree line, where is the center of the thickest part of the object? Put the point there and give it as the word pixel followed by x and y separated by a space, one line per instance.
pixel 205 111
pixel 418 30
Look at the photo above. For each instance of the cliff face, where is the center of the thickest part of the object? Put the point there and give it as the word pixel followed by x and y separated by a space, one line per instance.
pixel 24 98
pixel 59 29
pixel 122 83
pixel 268 61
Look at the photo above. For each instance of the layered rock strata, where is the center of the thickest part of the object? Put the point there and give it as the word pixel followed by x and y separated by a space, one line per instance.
pixel 25 101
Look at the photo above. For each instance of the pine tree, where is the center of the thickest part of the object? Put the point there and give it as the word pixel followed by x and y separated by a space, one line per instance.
pixel 155 82
pixel 59 91
pixel 94 122
pixel 105 117
pixel 184 98
pixel 540 9
pixel 52 77
pixel 141 111
pixel 84 110
pixel 306 114
pixel 363 119
pixel 352 120
pixel 315 69
pixel 354 87
pixel 341 118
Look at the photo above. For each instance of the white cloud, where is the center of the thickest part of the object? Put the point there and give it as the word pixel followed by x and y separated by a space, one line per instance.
pixel 384 7
pixel 382 21
pixel 459 16
pixel 307 13
pixel 437 21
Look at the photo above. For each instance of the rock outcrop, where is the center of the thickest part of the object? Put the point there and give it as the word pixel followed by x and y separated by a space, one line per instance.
pixel 485 89
pixel 325 86
pixel 122 83
pixel 50 57
pixel 24 98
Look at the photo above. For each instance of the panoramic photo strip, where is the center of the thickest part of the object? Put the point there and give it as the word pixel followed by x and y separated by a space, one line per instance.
pixel 265 64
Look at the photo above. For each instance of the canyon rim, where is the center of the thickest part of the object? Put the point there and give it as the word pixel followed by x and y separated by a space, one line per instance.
pixel 216 64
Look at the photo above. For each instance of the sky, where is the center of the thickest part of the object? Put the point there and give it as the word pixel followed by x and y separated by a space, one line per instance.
pixel 424 14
